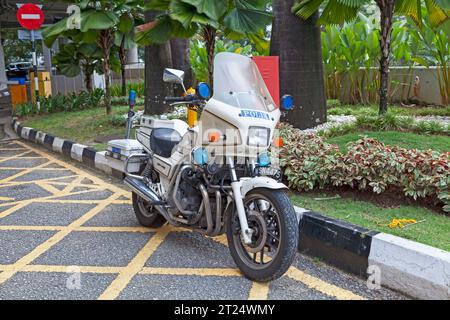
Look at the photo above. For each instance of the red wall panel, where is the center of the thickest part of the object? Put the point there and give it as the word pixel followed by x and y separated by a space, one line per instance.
pixel 270 70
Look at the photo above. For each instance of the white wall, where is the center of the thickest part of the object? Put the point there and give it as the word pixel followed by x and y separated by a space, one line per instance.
pixel 404 79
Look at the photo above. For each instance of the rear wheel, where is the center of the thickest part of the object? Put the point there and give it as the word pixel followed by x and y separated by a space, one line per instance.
pixel 146 214
pixel 273 221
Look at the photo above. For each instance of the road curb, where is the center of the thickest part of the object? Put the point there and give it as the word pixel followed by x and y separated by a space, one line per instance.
pixel 409 267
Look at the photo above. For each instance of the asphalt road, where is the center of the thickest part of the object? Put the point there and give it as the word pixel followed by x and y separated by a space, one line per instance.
pixel 69 233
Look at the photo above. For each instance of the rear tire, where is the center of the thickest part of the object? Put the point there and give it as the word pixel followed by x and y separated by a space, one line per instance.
pixel 272 217
pixel 146 214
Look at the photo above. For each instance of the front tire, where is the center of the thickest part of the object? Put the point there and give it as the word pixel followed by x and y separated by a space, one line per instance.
pixel 272 218
pixel 146 214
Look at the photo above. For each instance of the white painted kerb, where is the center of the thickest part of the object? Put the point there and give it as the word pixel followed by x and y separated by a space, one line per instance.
pixel 413 268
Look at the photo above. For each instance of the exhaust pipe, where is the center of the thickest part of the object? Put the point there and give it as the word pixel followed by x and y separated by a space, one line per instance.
pixel 140 188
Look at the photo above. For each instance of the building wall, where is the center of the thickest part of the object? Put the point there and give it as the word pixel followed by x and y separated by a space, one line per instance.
pixel 403 81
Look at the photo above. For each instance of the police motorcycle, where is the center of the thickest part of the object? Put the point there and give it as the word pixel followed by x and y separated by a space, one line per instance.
pixel 214 175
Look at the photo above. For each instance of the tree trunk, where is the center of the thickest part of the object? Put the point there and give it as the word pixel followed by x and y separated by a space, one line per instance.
pixel 105 43
pixel 157 58
pixel 180 60
pixel 106 73
pixel 209 35
pixel 123 62
pixel 88 81
pixel 387 13
pixel 297 42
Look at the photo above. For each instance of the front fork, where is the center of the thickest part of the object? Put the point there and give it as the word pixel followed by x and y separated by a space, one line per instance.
pixel 239 203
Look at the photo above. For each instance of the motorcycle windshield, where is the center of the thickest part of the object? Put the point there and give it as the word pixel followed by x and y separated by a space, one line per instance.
pixel 238 83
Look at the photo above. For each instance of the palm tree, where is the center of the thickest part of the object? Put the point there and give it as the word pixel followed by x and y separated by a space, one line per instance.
pixel 338 11
pixel 180 58
pixel 298 44
pixel 157 58
pixel 100 22
pixel 183 18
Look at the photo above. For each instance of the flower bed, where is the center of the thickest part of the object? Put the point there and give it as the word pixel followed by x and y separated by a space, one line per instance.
pixel 310 162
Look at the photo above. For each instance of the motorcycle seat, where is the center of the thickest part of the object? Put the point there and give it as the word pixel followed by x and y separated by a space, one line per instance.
pixel 163 141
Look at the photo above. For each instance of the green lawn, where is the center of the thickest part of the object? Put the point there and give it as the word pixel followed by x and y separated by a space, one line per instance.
pixel 434 231
pixel 359 109
pixel 81 126
pixel 402 139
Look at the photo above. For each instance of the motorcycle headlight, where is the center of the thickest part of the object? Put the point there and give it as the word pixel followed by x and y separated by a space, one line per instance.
pixel 258 136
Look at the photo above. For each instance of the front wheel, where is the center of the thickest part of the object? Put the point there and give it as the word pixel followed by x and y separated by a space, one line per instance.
pixel 273 221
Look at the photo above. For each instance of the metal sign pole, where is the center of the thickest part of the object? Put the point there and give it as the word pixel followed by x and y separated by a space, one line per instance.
pixel 35 72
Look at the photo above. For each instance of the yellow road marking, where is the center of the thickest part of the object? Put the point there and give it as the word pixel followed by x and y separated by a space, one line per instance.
pixel 116 229
pixel 31 228
pixel 78 171
pixel 81 229
pixel 51 180
pixel 48 188
pixel 34 168
pixel 35 253
pixel 14 157
pixel 13 209
pixel 322 286
pixel 6 199
pixel 135 266
pixel 22 173
pixel 259 291
pixel 61 269
pixel 204 272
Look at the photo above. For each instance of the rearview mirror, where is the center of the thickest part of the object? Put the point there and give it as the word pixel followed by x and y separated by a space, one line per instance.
pixel 173 76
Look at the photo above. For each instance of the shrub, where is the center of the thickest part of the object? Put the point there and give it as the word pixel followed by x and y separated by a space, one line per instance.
pixel 118 120
pixel 123 101
pixel 58 103
pixel 310 162
pixel 139 87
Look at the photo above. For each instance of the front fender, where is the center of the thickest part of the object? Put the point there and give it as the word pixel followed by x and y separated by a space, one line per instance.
pixel 249 184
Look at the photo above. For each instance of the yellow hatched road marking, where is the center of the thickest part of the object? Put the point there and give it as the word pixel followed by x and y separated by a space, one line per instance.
pixel 81 229
pixel 23 172
pixel 204 272
pixel 61 269
pixel 322 286
pixel 35 168
pixel 13 209
pixel 51 180
pixel 30 257
pixel 259 291
pixel 52 199
pixel 48 188
pixel 135 266
pixel 14 157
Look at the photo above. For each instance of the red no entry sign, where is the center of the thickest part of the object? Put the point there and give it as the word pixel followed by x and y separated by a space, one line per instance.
pixel 30 16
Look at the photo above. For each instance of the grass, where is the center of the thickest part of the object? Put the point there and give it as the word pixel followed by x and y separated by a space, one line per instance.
pixel 434 231
pixel 81 126
pixel 402 139
pixel 358 110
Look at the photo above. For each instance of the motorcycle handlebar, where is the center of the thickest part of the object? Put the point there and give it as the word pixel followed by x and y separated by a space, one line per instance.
pixel 188 98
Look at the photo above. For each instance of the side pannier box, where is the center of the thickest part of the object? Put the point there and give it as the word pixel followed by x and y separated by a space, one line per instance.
pixel 119 150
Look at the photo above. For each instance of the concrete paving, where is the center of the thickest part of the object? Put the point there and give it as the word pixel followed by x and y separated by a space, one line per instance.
pixel 69 233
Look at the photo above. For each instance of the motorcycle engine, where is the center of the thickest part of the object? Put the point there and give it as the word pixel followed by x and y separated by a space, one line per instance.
pixel 188 194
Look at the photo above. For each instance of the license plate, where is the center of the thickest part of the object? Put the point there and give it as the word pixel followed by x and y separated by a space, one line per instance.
pixel 268 171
